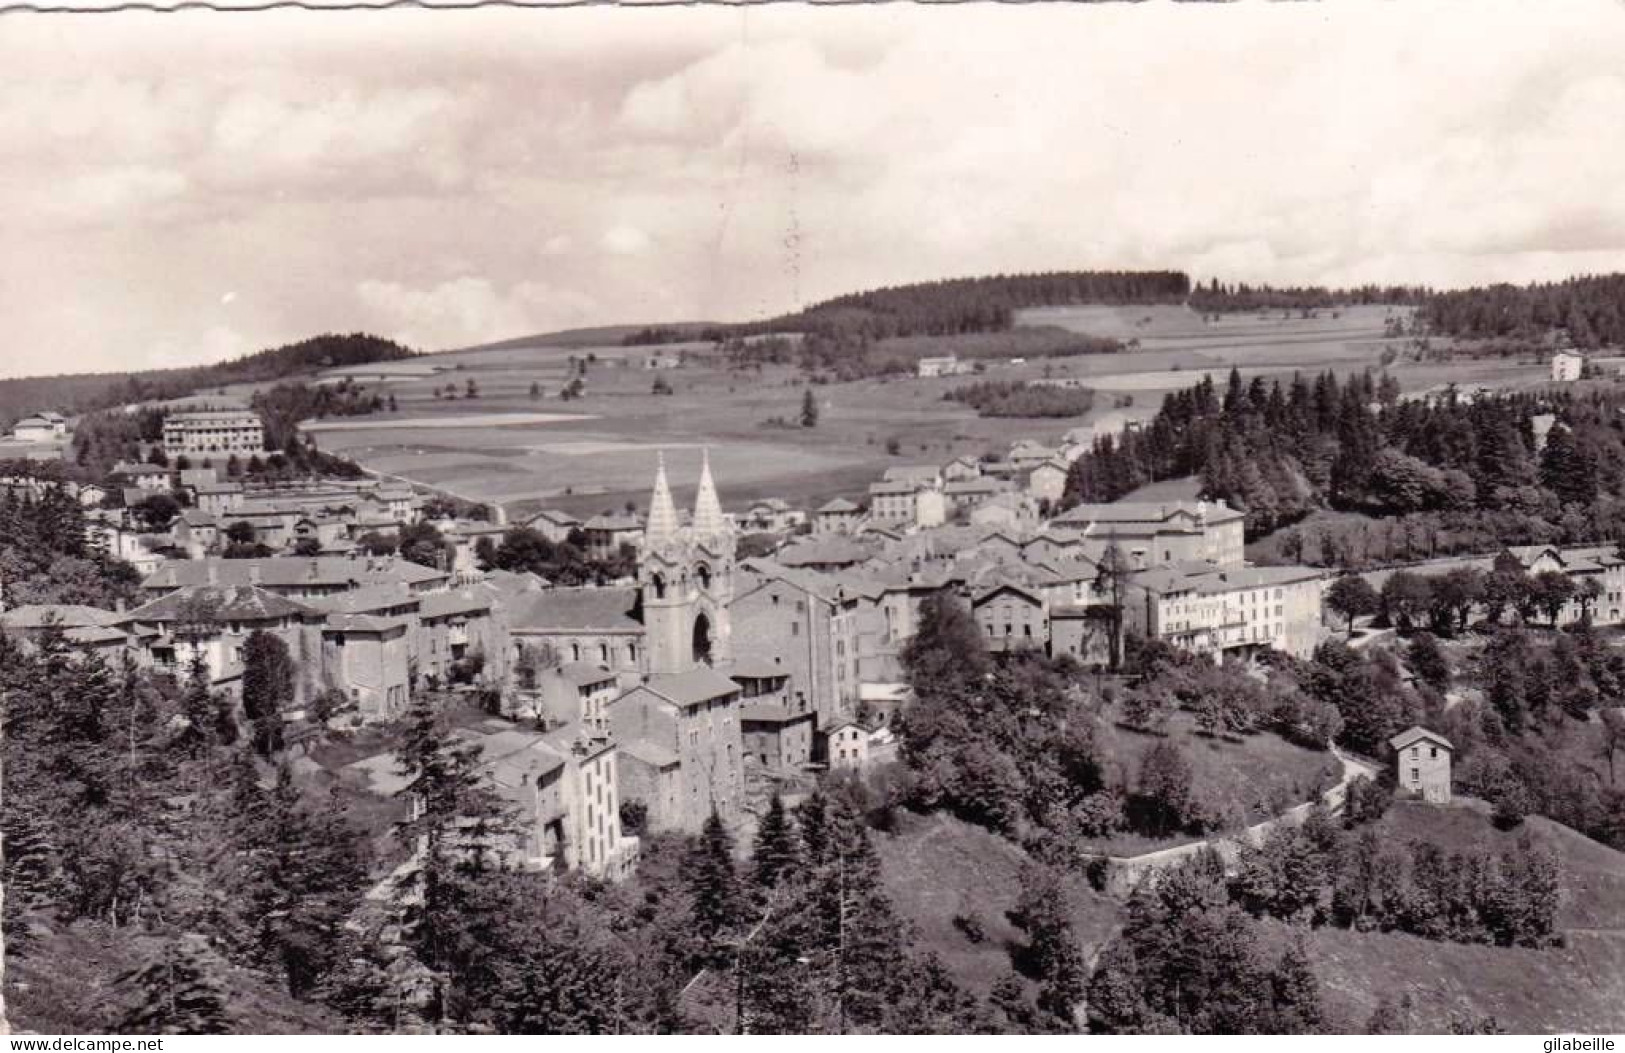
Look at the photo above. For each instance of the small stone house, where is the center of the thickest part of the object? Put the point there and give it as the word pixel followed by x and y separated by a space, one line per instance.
pixel 1422 764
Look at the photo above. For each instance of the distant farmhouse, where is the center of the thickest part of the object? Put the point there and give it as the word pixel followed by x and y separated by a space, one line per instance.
pixel 45 427
pixel 943 366
pixel 1567 366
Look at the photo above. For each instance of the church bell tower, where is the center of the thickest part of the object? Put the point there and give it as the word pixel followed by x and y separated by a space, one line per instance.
pixel 686 574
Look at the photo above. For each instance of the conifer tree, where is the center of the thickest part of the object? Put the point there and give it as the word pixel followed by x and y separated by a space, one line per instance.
pixel 177 992
pixel 1297 994
pixel 268 687
pixel 715 906
pixel 809 409
pixel 775 855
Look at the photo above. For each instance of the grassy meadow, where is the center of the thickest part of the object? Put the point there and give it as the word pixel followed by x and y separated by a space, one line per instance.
pixel 597 452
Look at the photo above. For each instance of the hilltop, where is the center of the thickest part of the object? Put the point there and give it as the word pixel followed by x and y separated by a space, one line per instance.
pixel 84 392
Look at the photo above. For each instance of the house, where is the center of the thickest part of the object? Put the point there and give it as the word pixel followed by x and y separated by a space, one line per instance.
pixel 208 624
pixel 563 790
pixel 149 477
pixel 1047 481
pixel 1082 632
pixel 908 502
pixel 296 577
pixel 606 534
pixel 801 624
pixel 962 467
pixel 218 498
pixel 577 693
pixel 1025 455
pixel 826 553
pixel 693 716
pixel 1567 366
pixel 772 516
pixel 87 630
pixel 367 659
pixel 1212 610
pixel 776 738
pixel 1012 618
pixel 45 427
pixel 966 492
pixel 838 516
pixel 853 746
pixel 1008 511
pixel 1422 764
pixel 552 524
pixel 1162 534
pixel 942 366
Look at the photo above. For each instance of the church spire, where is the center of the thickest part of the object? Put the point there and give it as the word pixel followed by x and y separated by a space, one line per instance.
pixel 662 524
pixel 708 518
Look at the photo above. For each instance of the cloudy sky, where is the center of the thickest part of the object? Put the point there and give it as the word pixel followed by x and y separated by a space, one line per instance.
pixel 183 188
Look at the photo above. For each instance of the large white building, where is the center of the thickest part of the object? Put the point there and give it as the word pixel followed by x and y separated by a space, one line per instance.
pixel 1212 610
pixel 214 432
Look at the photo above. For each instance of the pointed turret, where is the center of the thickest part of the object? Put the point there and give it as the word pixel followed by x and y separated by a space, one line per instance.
pixel 662 525
pixel 708 518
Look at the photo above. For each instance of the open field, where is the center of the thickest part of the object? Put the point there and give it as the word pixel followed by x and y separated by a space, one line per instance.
pixel 597 452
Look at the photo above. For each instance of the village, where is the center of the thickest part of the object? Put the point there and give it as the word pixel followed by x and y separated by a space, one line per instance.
pixel 702 680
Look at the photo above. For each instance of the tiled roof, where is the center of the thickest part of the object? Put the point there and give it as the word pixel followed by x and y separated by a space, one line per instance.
pixel 67 615
pixel 768 713
pixel 283 571
pixel 583 674
pixel 363 623
pixel 614 523
pixel 225 602
pixel 693 687
pixel 471 600
pixel 838 505
pixel 582 609
pixel 1412 734
pixel 650 753
pixel 755 667
pixel 825 552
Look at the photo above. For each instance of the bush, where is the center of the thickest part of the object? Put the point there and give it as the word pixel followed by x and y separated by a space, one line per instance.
pixel 971 926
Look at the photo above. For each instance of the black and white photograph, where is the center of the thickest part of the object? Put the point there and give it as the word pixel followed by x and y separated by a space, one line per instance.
pixel 846 519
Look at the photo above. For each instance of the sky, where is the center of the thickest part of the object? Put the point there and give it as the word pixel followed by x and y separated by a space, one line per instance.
pixel 188 187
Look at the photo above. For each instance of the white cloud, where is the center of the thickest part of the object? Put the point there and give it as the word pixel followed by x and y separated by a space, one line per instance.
pixel 468 310
pixel 623 239
pixel 727 164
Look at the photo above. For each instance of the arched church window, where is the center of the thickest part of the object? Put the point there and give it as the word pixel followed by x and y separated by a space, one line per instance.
pixel 658 583
pixel 703 573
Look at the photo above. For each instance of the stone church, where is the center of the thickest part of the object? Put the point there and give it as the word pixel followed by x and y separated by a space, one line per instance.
pixel 680 748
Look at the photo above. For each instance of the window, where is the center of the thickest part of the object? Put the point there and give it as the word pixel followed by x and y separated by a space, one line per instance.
pixel 1433 753
pixel 795 628
pixel 1416 751
pixel 1416 775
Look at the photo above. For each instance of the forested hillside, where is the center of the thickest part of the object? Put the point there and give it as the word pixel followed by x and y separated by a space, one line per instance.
pixel 1591 309
pixel 1279 450
pixel 81 393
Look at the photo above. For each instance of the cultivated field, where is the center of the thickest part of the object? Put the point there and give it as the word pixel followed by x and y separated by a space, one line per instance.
pixel 597 452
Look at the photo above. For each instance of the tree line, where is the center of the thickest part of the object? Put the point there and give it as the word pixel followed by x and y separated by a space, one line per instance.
pixel 1018 398
pixel 1280 450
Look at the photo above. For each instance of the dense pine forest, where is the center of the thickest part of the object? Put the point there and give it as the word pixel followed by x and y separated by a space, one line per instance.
pixel 1280 450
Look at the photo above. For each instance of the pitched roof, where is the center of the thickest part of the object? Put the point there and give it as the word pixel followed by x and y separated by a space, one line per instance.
pixel 578 609
pixel 650 753
pixel 1415 733
pixel 693 687
pixel 755 667
pixel 363 623
pixel 614 522
pixel 583 674
pixel 243 603
pixel 66 615
pixel 839 505
pixel 283 571
pixel 471 600
pixel 769 713
pixel 825 552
